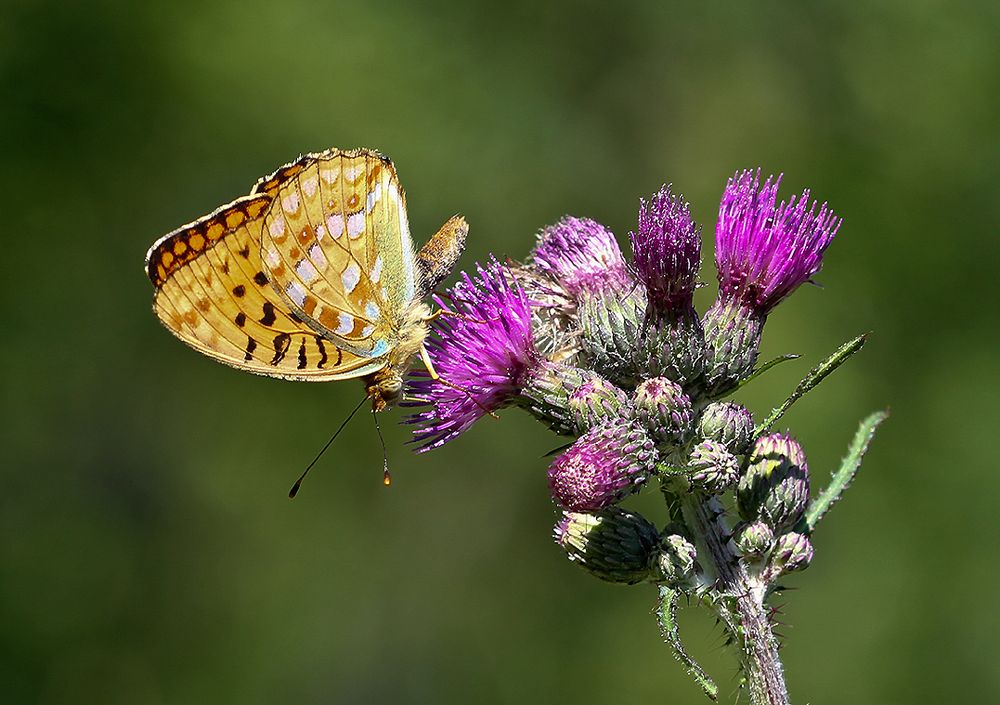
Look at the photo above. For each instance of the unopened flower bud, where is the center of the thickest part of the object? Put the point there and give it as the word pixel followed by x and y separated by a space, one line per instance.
pixel 603 466
pixel 597 401
pixel 610 329
pixel 793 551
pixel 677 560
pixel 546 393
pixel 775 487
pixel 732 341
pixel 672 347
pixel 664 409
pixel 712 468
pixel 613 545
pixel 754 539
pixel 727 423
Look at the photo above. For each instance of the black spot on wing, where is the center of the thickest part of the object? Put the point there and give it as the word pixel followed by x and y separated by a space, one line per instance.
pixel 302 355
pixel 282 341
pixel 269 317
pixel 251 346
pixel 322 353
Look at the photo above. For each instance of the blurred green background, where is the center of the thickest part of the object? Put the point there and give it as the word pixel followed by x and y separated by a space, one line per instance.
pixel 148 554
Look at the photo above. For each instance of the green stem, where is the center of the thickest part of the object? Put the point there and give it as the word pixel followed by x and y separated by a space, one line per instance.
pixel 666 610
pixel 739 602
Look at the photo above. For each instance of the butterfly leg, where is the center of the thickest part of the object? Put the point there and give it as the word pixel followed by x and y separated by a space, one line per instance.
pixel 445 312
pixel 429 365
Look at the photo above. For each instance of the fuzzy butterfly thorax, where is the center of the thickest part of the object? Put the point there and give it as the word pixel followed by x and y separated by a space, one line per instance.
pixel 312 276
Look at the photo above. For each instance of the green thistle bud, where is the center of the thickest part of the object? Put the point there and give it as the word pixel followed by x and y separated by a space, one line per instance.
pixel 547 390
pixel 775 487
pixel 610 323
pixel 673 347
pixel 732 341
pixel 677 561
pixel 596 401
pixel 754 539
pixel 727 423
pixel 613 545
pixel 663 408
pixel 712 468
pixel 792 552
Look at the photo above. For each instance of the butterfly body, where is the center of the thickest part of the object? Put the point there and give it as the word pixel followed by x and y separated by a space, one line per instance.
pixel 312 276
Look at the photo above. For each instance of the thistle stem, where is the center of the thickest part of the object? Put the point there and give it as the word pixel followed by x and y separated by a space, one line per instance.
pixel 739 600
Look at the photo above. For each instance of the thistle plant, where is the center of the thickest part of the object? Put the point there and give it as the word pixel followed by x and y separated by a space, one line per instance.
pixel 612 353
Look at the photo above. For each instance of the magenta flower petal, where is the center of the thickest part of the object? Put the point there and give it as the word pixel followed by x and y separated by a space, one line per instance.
pixel 580 254
pixel 602 467
pixel 764 251
pixel 667 250
pixel 484 354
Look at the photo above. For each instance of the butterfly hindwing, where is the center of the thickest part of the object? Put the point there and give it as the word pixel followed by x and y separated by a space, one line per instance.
pixel 337 246
pixel 213 293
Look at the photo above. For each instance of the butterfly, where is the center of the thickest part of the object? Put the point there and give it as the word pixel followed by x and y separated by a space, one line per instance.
pixel 312 276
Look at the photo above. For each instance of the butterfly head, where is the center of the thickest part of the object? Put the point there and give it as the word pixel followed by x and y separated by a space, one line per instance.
pixel 385 388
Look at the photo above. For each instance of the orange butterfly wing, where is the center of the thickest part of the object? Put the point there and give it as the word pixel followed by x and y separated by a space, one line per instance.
pixel 336 243
pixel 213 293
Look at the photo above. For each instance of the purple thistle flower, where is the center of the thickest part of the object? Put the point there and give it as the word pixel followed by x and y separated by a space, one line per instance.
pixel 602 467
pixel 581 255
pixel 764 252
pixel 486 352
pixel 667 250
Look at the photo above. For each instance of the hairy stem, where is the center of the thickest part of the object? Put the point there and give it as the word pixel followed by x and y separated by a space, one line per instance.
pixel 740 603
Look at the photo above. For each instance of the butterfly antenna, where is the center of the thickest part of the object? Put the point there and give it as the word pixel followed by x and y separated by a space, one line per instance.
pixel 298 483
pixel 386 477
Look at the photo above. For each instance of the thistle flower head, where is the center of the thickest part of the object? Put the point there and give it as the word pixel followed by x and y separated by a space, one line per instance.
pixel 664 409
pixel 580 254
pixel 754 539
pixel 614 545
pixel 483 354
pixel 764 250
pixel 602 467
pixel 728 423
pixel 712 468
pixel 597 401
pixel 678 560
pixel 775 486
pixel 667 250
pixel 792 551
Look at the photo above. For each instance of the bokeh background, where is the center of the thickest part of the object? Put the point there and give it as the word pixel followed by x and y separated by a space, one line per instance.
pixel 148 553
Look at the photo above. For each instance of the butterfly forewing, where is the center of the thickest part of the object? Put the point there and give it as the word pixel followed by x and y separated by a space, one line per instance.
pixel 213 292
pixel 336 244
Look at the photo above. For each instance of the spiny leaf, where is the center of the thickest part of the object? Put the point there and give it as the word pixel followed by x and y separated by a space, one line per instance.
pixel 666 612
pixel 811 380
pixel 848 469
